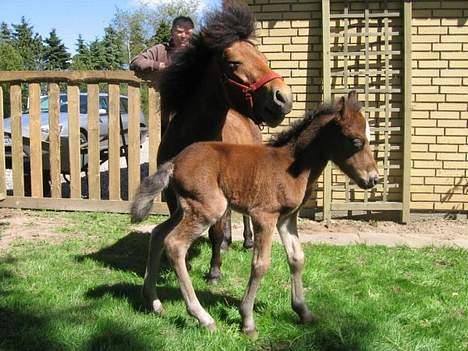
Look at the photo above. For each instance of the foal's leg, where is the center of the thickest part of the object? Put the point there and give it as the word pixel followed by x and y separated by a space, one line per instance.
pixel 263 229
pixel 153 264
pixel 248 242
pixel 287 228
pixel 177 244
pixel 216 235
pixel 224 224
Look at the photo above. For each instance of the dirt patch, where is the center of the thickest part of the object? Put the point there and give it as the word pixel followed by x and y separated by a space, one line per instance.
pixel 21 225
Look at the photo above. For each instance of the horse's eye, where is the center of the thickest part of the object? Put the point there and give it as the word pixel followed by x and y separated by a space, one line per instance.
pixel 357 143
pixel 233 65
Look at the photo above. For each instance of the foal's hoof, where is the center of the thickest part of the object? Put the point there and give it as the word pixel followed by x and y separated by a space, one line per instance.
pixel 250 332
pixel 248 243
pixel 213 278
pixel 210 327
pixel 155 306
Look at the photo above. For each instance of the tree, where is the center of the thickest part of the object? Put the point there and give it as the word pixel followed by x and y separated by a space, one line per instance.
pixel 5 33
pixel 10 59
pixel 55 55
pixel 147 25
pixel 28 44
pixel 82 59
pixel 112 48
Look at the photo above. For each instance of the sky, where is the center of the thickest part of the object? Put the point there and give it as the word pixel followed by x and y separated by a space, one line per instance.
pixel 70 17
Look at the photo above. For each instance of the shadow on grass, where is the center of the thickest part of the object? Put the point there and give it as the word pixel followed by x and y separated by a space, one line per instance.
pixel 132 293
pixel 130 253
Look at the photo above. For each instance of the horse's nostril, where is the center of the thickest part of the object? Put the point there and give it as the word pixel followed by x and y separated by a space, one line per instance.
pixel 279 97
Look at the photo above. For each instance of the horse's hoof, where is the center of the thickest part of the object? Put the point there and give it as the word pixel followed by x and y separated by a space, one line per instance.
pixel 225 245
pixel 212 279
pixel 308 318
pixel 248 243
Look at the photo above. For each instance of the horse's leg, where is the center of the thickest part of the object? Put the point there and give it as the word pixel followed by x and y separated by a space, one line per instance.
pixel 263 229
pixel 287 228
pixel 177 244
pixel 153 265
pixel 224 224
pixel 170 198
pixel 248 242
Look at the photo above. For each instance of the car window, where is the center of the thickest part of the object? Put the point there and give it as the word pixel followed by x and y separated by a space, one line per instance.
pixel 83 104
pixel 63 100
pixel 44 104
pixel 123 105
pixel 103 103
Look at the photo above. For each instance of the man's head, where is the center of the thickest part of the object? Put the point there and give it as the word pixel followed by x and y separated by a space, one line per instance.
pixel 181 31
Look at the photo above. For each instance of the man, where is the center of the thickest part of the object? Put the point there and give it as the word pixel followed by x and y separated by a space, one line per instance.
pixel 159 56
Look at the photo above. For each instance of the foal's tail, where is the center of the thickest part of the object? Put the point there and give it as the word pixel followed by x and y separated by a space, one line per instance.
pixel 149 188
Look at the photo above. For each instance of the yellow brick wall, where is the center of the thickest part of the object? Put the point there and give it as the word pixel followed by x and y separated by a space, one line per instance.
pixel 289 33
pixel 440 103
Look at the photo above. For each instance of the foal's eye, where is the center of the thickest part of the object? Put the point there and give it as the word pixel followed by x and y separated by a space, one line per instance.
pixel 357 143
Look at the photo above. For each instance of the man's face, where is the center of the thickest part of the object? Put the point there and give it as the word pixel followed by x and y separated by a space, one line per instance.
pixel 181 34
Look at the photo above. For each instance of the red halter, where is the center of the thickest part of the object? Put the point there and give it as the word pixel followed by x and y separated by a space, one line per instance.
pixel 249 89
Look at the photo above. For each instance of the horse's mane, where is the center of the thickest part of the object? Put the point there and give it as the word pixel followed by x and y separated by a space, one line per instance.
pixel 221 29
pixel 295 130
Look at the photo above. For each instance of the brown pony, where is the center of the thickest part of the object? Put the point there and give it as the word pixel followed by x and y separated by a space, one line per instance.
pixel 269 183
pixel 219 89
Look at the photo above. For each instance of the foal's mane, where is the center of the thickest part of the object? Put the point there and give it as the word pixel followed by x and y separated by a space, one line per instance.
pixel 298 127
pixel 221 29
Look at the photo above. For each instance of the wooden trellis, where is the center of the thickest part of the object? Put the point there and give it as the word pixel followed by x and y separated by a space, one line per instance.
pixel 363 51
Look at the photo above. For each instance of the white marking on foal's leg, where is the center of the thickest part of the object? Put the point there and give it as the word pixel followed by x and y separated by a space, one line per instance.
pixel 287 229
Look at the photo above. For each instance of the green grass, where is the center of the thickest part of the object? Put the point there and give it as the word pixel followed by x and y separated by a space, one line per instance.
pixel 84 294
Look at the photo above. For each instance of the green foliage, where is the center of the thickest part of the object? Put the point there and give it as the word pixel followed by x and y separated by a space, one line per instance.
pixel 82 60
pixel 28 44
pixel 162 35
pixel 55 55
pixel 112 49
pixel 5 33
pixel 84 293
pixel 10 58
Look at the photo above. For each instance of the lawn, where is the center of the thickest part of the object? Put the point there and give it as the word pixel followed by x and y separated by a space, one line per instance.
pixel 84 294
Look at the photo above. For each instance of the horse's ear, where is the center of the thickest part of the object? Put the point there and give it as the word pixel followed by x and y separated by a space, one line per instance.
pixel 340 105
pixel 352 95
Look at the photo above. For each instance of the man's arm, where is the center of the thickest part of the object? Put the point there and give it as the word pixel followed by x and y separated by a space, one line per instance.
pixel 150 60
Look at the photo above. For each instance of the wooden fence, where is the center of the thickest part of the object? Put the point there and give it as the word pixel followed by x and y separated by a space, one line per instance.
pixel 39 154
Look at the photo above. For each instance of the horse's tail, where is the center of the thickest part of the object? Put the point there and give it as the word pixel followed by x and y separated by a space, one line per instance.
pixel 149 188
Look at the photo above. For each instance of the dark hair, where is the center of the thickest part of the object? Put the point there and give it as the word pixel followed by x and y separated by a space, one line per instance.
pixel 180 19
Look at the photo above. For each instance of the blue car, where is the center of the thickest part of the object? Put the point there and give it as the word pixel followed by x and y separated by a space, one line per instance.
pixel 63 125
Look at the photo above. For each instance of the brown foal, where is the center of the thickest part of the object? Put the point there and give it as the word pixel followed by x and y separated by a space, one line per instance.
pixel 270 183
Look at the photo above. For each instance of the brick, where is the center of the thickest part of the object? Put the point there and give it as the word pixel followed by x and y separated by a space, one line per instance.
pixel 425 197
pixel 274 56
pixel 276 40
pixel 415 205
pixel 283 32
pixel 278 24
pixel 454 55
pixel 454 90
pixel 429 131
pixel 419 147
pixel 450 140
pixel 433 22
pixel 432 30
pixel 456 131
pixel 458 123
pixel 426 55
pixel 421 106
pixel 425 39
pixel 422 81
pixel 443 148
pixel 426 73
pixel 420 47
pixel 427 164
pixel 446 13
pixel 300 40
pixel 463 148
pixel 424 172
pixel 424 122
pixel 419 115
pixel 450 156
pixel 438 180
pixel 417 180
pixel 417 89
pixel 455 164
pixel 448 206
pixel 451 107
pixel 422 189
pixel 447 81
pixel 457 97
pixel 454 189
pixel 458 64
pixel 433 64
pixel 447 47
pixel 429 98
pixel 423 156
pixel 271 48
pixel 454 38
pixel 450 172
pixel 275 8
pixel 454 4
